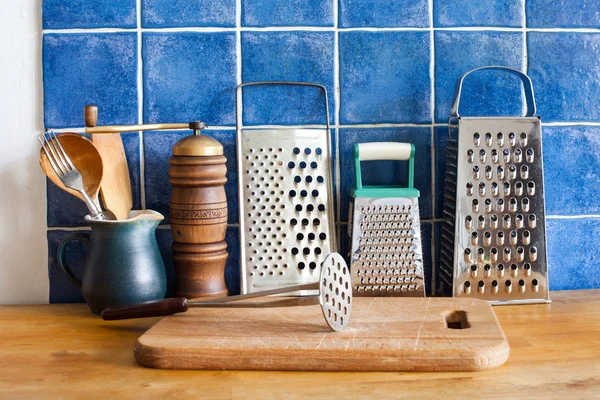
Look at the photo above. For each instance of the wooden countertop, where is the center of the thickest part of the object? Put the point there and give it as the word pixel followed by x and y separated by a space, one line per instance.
pixel 63 351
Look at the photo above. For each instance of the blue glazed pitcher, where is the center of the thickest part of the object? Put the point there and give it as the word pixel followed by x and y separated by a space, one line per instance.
pixel 123 264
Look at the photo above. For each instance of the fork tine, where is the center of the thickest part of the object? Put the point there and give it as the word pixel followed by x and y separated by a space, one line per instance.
pixel 63 152
pixel 50 158
pixel 59 155
pixel 55 157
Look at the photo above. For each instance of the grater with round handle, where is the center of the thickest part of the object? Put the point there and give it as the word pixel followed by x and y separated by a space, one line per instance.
pixel 493 237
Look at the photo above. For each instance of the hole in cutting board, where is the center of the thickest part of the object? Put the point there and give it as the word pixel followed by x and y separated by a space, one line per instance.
pixel 457 320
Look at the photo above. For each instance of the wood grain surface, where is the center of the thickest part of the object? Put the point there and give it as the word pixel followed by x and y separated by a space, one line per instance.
pixel 63 351
pixel 385 334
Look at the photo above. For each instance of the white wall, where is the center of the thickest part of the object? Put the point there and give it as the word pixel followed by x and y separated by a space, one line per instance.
pixel 23 246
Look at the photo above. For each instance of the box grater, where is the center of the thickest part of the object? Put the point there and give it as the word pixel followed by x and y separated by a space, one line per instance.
pixel 494 239
pixel 386 256
pixel 286 203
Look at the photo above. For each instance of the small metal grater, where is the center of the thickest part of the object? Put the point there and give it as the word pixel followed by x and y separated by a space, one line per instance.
pixel 386 256
pixel 494 236
pixel 286 202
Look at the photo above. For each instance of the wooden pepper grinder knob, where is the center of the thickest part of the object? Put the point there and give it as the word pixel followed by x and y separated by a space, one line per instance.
pixel 198 212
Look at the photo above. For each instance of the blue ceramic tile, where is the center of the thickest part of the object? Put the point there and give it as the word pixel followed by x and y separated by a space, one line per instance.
pixel 62 290
pixel 576 268
pixel 287 56
pixel 63 14
pixel 177 13
pixel 572 169
pixel 440 138
pixel 564 70
pixel 158 147
pixel 189 76
pixel 384 77
pixel 287 13
pixel 232 268
pixel 485 93
pixel 383 13
pixel 425 246
pixel 563 14
pixel 82 69
pixel 386 172
pixel 65 210
pixel 504 13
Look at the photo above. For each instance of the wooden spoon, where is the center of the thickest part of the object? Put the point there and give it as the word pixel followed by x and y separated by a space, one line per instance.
pixel 86 159
pixel 116 185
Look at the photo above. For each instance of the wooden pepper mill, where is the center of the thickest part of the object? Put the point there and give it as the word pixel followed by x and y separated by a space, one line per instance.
pixel 198 212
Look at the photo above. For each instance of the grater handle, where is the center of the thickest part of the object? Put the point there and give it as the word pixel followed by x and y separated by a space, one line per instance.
pixel 384 151
pixel 238 97
pixel 527 87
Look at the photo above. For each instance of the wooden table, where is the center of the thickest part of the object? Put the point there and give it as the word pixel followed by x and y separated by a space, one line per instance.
pixel 63 351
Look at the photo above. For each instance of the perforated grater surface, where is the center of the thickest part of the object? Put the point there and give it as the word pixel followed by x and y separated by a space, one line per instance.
pixel 494 239
pixel 286 203
pixel 386 256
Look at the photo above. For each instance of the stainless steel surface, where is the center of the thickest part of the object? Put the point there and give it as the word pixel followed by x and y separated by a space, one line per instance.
pixel 334 294
pixel 66 171
pixel 511 267
pixel 386 257
pixel 286 202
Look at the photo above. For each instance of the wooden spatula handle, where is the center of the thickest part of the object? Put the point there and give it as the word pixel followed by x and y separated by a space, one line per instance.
pixel 156 308
pixel 90 115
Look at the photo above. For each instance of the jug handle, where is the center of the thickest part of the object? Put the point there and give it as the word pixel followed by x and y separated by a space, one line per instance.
pixel 62 261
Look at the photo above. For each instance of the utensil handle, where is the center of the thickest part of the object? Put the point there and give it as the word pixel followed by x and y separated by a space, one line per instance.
pixel 62 261
pixel 527 87
pixel 90 115
pixel 384 151
pixel 238 92
pixel 157 308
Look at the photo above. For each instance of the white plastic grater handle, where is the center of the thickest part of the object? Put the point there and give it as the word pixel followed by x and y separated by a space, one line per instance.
pixel 384 151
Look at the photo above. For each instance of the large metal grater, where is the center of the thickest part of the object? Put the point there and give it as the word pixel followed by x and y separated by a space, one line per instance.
pixel 494 235
pixel 287 224
pixel 386 256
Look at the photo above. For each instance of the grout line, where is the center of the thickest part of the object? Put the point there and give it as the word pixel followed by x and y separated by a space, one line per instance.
pixel 580 216
pixel 140 83
pixel 525 65
pixel 238 40
pixel 320 29
pixel 337 104
pixel 432 79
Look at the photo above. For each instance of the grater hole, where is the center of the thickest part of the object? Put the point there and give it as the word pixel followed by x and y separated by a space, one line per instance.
pixel 302 164
pixel 495 283
pixel 322 236
pixel 321 207
pixel 535 282
pixel 314 165
pixel 306 251
pixel 514 267
pixel 305 222
pixel 310 207
pixel 296 150
pixel 303 193
pixel 307 151
pixel 293 193
pixel 291 164
pixel 500 267
pixel 309 179
pixel 467 284
pixel 311 236
pixel 474 267
pixel 487 267
pixel 299 236
pixel 318 250
pixel 298 207
pixel 521 282
pixel 297 179
pixel 295 251
pixel 316 222
pixel 318 151
pixel 315 193
pixel 508 282
pixel 312 265
pixel 320 179
pixel 301 266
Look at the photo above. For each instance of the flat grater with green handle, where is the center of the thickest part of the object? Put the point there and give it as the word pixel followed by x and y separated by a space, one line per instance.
pixel 386 256
pixel 493 238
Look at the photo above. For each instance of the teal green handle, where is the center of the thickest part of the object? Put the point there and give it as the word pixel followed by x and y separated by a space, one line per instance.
pixel 62 261
pixel 401 154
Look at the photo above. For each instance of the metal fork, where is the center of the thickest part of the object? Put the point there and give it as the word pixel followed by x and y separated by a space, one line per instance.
pixel 66 171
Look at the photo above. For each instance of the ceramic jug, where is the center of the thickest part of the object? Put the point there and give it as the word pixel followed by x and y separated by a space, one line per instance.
pixel 123 264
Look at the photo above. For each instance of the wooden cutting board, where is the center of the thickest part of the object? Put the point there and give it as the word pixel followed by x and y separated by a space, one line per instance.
pixel 385 334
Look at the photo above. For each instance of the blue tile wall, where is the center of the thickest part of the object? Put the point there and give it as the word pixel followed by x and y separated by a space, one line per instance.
pixel 384 77
pixel 179 13
pixel 286 56
pixel 500 13
pixel 564 67
pixel 261 13
pixel 484 92
pixel 60 14
pixel 390 69
pixel 95 68
pixel 383 13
